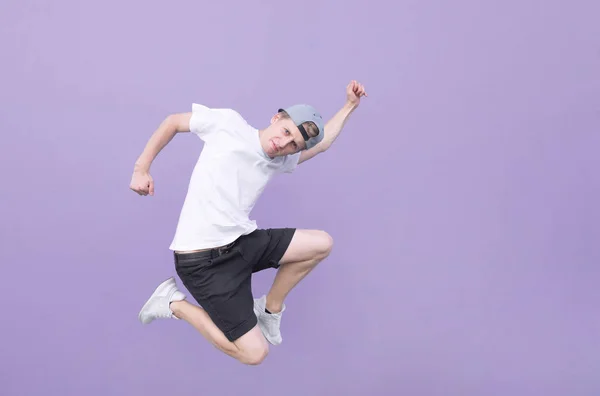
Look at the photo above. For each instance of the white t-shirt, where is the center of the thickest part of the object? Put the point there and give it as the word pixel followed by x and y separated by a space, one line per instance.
pixel 231 173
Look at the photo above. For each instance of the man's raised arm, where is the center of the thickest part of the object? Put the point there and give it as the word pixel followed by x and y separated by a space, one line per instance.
pixel 333 127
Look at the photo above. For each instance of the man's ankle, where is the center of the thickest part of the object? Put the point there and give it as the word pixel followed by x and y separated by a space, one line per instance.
pixel 174 307
pixel 272 306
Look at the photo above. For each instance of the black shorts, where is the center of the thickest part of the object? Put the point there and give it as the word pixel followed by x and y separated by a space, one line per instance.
pixel 220 279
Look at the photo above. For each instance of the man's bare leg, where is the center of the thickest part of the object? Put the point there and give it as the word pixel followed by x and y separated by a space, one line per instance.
pixel 251 348
pixel 167 302
pixel 306 250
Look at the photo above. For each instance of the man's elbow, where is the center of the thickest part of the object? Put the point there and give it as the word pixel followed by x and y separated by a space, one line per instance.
pixel 178 122
pixel 322 147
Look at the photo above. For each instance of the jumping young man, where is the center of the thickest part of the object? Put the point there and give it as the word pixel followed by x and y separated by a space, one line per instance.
pixel 216 246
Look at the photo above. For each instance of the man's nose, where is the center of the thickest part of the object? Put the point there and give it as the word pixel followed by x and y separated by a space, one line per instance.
pixel 286 140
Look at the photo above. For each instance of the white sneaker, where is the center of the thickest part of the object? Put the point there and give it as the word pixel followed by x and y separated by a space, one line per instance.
pixel 158 305
pixel 269 323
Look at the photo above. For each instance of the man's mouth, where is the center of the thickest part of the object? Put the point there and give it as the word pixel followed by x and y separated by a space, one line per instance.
pixel 274 147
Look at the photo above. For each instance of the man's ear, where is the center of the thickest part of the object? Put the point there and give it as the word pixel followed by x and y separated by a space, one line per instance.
pixel 275 118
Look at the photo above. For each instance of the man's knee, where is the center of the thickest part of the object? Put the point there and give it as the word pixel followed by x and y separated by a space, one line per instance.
pixel 253 347
pixel 255 356
pixel 308 246
pixel 324 244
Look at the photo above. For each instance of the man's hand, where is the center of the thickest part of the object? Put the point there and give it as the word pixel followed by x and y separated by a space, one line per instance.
pixel 354 91
pixel 142 183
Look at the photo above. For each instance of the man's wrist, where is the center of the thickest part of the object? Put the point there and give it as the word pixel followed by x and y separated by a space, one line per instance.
pixel 141 167
pixel 350 106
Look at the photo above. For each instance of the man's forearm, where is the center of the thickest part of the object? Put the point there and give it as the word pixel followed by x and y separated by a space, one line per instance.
pixel 159 139
pixel 334 126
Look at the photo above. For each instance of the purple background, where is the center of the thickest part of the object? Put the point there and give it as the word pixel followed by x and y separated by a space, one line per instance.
pixel 462 196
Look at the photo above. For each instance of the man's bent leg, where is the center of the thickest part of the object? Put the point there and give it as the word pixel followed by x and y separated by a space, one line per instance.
pixel 246 344
pixel 220 281
pixel 251 348
pixel 307 249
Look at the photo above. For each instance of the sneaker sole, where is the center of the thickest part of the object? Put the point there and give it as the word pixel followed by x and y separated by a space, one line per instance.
pixel 150 299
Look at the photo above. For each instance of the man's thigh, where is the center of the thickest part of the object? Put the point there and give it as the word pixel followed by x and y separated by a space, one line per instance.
pixel 307 245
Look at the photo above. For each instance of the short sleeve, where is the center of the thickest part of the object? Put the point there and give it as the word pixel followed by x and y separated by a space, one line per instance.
pixel 205 120
pixel 290 162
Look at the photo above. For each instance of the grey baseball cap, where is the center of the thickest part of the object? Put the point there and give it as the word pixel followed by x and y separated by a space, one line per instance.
pixel 301 113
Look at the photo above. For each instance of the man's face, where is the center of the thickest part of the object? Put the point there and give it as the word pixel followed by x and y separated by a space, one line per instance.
pixel 282 138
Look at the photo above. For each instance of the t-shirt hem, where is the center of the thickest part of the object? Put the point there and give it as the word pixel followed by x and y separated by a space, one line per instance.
pixel 210 245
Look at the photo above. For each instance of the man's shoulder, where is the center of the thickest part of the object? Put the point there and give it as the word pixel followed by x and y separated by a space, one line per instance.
pixel 234 115
pixel 219 121
pixel 220 111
